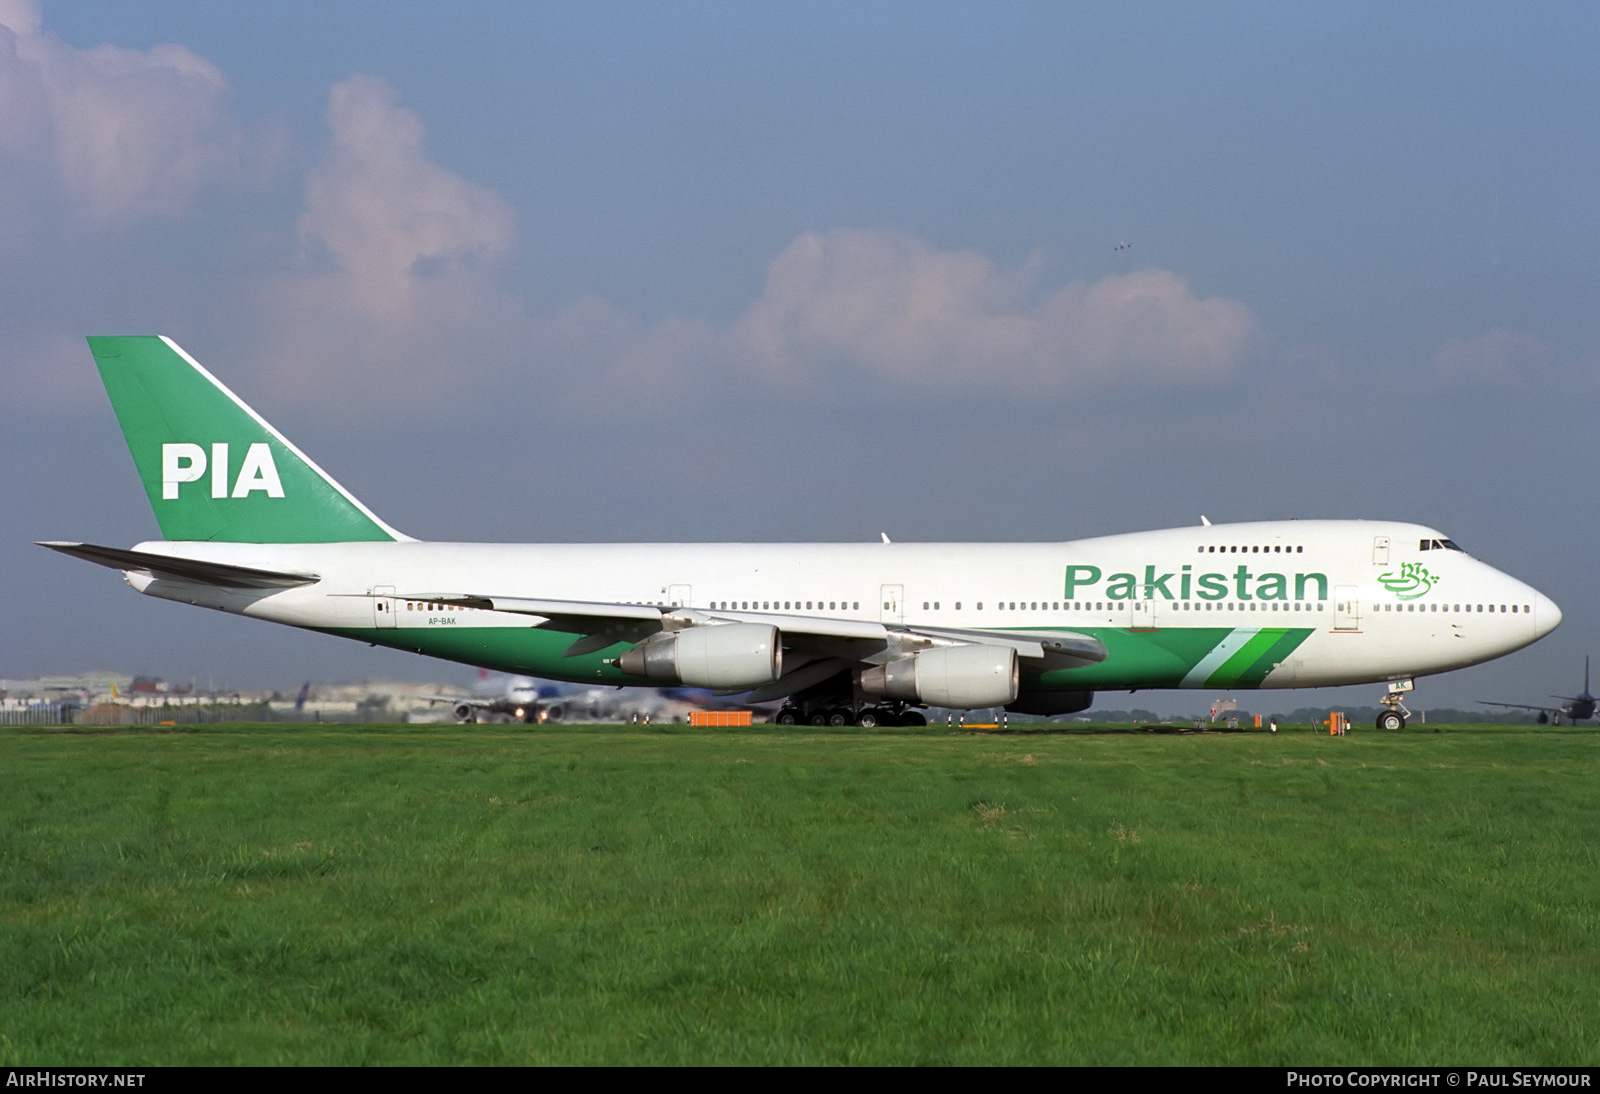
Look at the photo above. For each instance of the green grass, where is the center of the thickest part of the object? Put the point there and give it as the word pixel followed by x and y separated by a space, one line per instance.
pixel 417 895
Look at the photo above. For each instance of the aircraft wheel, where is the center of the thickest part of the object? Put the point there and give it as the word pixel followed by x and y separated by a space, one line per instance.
pixel 870 718
pixel 913 718
pixel 1391 719
pixel 818 718
pixel 840 717
pixel 787 717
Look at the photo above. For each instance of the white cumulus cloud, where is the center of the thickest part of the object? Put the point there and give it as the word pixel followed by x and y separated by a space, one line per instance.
pixel 889 304
pixel 124 133
pixel 398 298
pixel 397 288
pixel 390 218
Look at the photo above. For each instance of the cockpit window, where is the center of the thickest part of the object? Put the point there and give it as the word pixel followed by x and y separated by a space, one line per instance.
pixel 1438 545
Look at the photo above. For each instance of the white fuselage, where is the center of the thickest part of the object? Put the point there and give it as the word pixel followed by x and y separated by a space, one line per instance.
pixel 1271 604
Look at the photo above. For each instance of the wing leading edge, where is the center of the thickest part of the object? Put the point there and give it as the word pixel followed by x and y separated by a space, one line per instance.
pixel 814 647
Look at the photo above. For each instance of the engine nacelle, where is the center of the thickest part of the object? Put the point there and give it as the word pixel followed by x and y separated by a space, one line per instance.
pixel 961 677
pixel 465 713
pixel 721 655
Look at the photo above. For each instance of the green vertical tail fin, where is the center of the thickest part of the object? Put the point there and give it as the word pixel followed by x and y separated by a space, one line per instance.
pixel 213 468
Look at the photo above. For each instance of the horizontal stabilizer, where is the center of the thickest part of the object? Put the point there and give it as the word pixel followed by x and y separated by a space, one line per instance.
pixel 221 574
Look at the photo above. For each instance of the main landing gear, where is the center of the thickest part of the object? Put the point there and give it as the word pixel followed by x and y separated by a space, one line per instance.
pixel 808 714
pixel 836 702
pixel 1394 713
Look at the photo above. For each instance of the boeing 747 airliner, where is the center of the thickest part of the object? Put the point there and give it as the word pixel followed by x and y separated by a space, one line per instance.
pixel 844 632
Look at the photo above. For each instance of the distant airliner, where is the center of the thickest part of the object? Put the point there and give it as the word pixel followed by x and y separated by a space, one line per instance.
pixel 517 697
pixel 1574 710
pixel 845 632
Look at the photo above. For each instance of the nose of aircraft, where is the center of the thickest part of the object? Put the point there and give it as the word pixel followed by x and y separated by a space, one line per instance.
pixel 1546 616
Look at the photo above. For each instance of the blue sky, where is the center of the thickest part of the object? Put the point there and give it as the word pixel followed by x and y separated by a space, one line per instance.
pixel 746 271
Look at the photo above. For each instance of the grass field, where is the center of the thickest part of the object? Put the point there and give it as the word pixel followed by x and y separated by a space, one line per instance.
pixel 420 895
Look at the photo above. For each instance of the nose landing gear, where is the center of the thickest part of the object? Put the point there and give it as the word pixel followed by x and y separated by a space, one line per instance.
pixel 1394 713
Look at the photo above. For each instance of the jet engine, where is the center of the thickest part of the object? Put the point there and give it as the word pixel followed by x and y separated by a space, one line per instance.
pixel 465 713
pixel 962 677
pixel 722 655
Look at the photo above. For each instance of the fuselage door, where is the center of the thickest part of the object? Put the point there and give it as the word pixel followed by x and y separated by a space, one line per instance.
pixel 383 607
pixel 1346 608
pixel 678 595
pixel 893 600
pixel 1380 550
pixel 1144 615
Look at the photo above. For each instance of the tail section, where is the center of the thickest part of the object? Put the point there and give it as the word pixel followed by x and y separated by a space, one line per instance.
pixel 213 468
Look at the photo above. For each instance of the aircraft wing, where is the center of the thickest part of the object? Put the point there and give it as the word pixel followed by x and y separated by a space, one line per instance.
pixel 1523 706
pixel 597 625
pixel 576 615
pixel 582 617
pixel 818 646
pixel 220 574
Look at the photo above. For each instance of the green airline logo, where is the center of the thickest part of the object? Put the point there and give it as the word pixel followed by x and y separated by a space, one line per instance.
pixel 1185 584
pixel 1412 581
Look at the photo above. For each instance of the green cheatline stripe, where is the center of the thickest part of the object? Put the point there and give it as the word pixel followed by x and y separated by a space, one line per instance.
pixel 1235 667
pixel 1276 654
